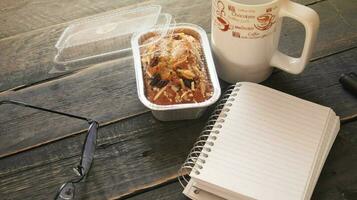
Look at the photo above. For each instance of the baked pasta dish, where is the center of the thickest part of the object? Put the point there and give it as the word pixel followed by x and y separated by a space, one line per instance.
pixel 174 70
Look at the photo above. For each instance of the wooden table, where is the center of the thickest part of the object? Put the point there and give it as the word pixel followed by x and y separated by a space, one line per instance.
pixel 137 156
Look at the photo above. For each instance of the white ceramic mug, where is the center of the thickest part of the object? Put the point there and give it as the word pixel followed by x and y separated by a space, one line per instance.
pixel 245 37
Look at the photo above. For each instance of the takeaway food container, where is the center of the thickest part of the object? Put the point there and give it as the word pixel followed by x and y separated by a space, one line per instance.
pixel 113 34
pixel 107 36
pixel 176 111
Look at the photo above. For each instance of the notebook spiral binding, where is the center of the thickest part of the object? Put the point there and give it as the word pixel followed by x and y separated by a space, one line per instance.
pixel 197 157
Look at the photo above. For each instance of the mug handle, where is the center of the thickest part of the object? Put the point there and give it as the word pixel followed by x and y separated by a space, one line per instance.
pixel 310 19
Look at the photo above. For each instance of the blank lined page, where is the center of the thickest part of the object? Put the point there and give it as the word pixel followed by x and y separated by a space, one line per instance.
pixel 267 146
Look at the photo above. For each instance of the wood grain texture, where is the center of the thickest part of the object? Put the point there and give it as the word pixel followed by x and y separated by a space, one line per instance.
pixel 28 58
pixel 346 11
pixel 332 28
pixel 107 92
pixel 336 182
pixel 139 153
pixel 171 191
pixel 28 15
pixel 23 16
pixel 116 171
pixel 319 82
pixel 338 177
pixel 133 154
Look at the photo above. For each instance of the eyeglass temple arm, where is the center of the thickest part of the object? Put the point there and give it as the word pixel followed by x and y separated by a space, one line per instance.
pixel 44 109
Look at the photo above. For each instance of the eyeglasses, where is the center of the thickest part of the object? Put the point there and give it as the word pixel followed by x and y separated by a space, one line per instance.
pixel 67 190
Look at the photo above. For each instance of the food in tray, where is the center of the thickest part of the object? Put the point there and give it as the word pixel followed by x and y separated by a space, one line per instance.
pixel 174 70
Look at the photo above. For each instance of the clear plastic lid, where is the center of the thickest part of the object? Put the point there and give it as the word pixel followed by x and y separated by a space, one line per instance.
pixel 108 34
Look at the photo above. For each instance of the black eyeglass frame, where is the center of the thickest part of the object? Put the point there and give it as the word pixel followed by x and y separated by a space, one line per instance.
pixel 80 170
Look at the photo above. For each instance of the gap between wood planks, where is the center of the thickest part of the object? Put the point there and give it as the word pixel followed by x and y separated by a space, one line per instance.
pixel 162 182
pixel 146 111
pixel 74 20
pixel 74 134
pixel 17 88
pixel 154 185
pixel 172 180
pixel 122 8
pixel 345 119
pixel 315 2
pixel 320 57
pixel 159 184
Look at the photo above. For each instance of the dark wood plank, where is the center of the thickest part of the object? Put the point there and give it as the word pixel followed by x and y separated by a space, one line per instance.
pixel 26 126
pixel 171 191
pixel 110 89
pixel 319 82
pixel 332 26
pixel 346 11
pixel 140 152
pixel 28 58
pixel 117 172
pixel 338 177
pixel 134 154
pixel 308 2
pixel 337 180
pixel 23 16
pixel 67 159
pixel 105 92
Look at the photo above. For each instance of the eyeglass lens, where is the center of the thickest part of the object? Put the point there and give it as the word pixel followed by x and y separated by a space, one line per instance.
pixel 89 148
pixel 66 192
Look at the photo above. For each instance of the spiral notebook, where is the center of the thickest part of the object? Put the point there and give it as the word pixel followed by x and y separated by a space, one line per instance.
pixel 260 144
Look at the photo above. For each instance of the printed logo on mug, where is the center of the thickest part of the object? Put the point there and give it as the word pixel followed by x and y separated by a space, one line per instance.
pixel 245 37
